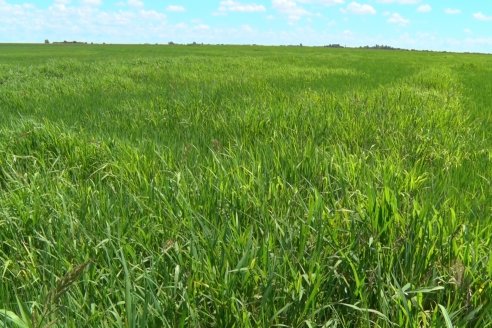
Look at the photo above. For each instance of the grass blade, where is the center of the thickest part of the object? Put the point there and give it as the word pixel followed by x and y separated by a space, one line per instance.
pixel 445 314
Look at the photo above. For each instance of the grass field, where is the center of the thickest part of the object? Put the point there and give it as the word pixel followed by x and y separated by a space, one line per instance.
pixel 208 186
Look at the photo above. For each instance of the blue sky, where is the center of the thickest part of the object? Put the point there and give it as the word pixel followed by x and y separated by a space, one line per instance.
pixel 455 25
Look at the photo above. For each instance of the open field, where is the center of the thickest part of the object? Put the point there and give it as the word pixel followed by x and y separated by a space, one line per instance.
pixel 158 186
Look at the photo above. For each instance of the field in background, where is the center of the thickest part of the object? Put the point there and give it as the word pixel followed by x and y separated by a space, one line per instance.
pixel 200 186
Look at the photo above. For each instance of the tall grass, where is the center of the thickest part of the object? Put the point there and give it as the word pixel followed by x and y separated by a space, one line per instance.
pixel 189 187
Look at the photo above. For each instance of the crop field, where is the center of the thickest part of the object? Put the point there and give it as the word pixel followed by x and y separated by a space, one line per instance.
pixel 244 186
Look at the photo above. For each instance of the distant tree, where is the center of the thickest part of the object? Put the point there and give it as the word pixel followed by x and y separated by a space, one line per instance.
pixel 46 41
pixel 170 43
pixel 334 45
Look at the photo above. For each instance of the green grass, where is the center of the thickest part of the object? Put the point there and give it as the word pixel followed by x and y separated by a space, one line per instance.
pixel 158 186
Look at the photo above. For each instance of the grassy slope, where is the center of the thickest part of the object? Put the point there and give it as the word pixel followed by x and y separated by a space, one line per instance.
pixel 246 186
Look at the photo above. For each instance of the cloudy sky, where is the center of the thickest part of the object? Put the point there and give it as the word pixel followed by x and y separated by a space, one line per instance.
pixel 456 25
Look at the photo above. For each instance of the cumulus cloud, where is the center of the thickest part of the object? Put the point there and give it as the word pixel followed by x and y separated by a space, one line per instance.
pixel 202 27
pixel 176 8
pixel 135 3
pixel 359 9
pixel 482 17
pixel 424 8
pixel 323 2
pixel 452 11
pixel 82 21
pixel 290 8
pixel 231 5
pixel 60 4
pixel 397 19
pixel 401 2
pixel 332 2
pixel 91 2
pixel 247 28
pixel 152 14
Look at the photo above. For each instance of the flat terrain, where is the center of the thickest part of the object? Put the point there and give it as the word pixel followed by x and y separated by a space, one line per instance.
pixel 223 186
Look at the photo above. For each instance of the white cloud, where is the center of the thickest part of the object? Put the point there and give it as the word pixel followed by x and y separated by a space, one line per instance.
pixel 91 2
pixel 202 27
pixel 231 5
pixel 247 28
pixel 332 2
pixel 348 33
pixel 323 2
pixel 290 9
pixel 482 17
pixel 483 42
pixel 135 3
pixel 176 8
pixel 81 21
pixel 152 14
pixel 397 19
pixel 401 2
pixel 452 11
pixel 60 4
pixel 359 9
pixel 424 8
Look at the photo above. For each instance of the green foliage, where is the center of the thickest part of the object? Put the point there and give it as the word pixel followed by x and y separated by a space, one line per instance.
pixel 155 186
